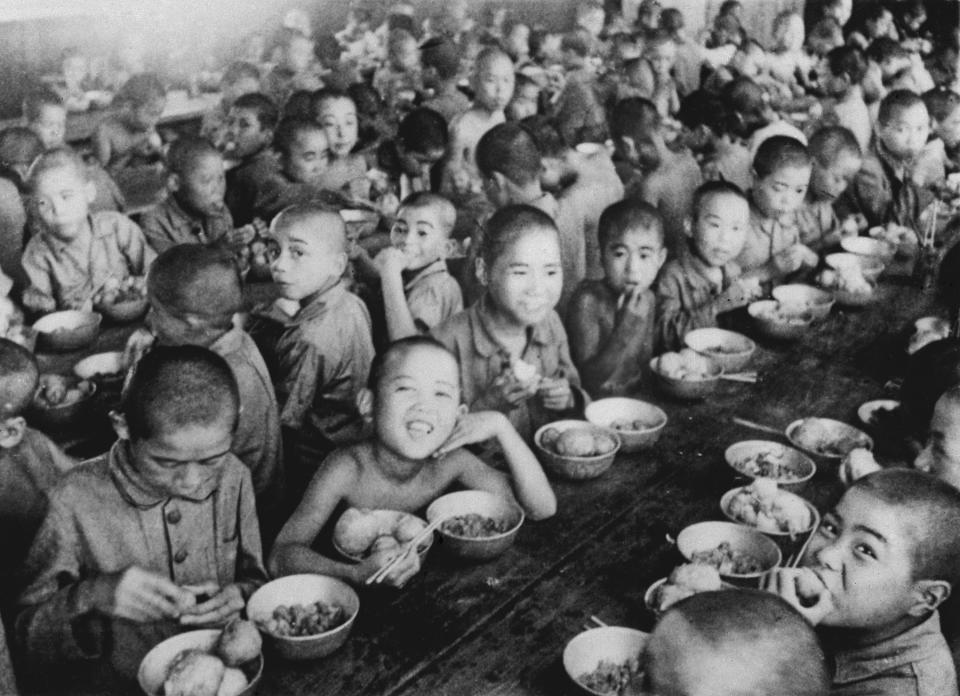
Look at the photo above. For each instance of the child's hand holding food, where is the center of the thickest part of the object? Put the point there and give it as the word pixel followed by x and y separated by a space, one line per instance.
pixel 384 550
pixel 555 393
pixel 796 257
pixel 634 303
pixel 140 595
pixel 222 605
pixel 390 262
pixel 140 342
pixel 803 589
pixel 505 393
pixel 37 301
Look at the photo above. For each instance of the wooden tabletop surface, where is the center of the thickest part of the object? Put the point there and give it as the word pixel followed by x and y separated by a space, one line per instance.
pixel 500 627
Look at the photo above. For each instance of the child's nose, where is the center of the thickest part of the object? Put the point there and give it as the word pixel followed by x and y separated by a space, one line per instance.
pixel 828 556
pixel 190 476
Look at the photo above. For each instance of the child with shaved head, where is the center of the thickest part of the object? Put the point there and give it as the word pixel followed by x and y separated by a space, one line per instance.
pixel 879 566
pixel 155 536
pixel 418 291
pixel 734 643
pixel 324 353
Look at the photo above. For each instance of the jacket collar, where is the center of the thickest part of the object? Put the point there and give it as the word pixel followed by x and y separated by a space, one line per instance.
pixel 910 646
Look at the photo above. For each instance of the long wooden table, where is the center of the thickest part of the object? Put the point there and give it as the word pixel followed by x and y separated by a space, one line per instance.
pixel 500 627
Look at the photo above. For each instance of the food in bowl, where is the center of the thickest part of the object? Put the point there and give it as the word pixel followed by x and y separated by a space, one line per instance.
pixel 727 561
pixel 116 291
pixel 848 278
pixel 614 678
pixel 685 581
pixel 766 507
pixel 475 526
pixel 635 425
pixel 299 620
pixel 773 464
pixel 56 391
pixel 791 314
pixel 225 670
pixel 827 438
pixel 361 532
pixel 686 365
pixel 577 442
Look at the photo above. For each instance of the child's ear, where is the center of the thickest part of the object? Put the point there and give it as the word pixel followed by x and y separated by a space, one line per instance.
pixel 628 146
pixel 119 423
pixel 342 261
pixel 365 404
pixel 661 257
pixel 688 226
pixel 481 272
pixel 90 191
pixel 462 410
pixel 11 432
pixel 928 595
pixel 173 182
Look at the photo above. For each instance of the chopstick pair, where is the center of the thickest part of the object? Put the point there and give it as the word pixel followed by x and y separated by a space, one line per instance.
pixel 594 622
pixel 385 569
pixel 757 426
pixel 795 559
pixel 745 377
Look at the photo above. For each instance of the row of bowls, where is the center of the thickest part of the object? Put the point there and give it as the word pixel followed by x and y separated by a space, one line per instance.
pixel 73 329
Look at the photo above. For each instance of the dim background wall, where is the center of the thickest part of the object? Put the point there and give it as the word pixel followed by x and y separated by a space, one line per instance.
pixel 180 35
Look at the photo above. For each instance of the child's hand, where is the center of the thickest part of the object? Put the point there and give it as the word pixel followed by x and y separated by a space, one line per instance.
pixel 803 589
pixel 142 596
pixel 506 393
pixel 242 235
pixel 635 302
pixel 38 302
pixel 140 342
pixel 390 262
pixel 796 257
pixel 473 428
pixel 401 573
pixel 223 604
pixel 555 394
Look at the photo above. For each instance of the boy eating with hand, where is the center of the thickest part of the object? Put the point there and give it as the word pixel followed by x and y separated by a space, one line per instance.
pixel 77 251
pixel 705 281
pixel 880 564
pixel 157 535
pixel 418 292
pixel 420 427
pixel 611 322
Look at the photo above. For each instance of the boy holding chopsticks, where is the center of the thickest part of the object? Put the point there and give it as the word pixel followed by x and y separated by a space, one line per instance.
pixel 415 454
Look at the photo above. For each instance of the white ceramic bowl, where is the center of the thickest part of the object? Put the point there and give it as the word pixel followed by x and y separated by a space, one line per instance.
pixel 304 589
pixel 795 460
pixel 765 319
pixel 830 430
pixel 869 410
pixel 586 650
pixel 729 349
pixel 706 536
pixel 816 300
pixel 62 415
pixel 105 368
pixel 155 665
pixel 870 266
pixel 620 410
pixel 868 246
pixel 481 503
pixel 814 514
pixel 686 389
pixel 67 330
pixel 572 467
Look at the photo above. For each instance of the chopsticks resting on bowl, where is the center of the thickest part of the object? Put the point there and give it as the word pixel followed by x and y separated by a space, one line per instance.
pixel 385 570
pixel 757 426
pixel 745 377
pixel 594 622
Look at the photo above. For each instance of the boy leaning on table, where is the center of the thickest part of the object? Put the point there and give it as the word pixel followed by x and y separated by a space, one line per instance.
pixel 154 537
pixel 876 571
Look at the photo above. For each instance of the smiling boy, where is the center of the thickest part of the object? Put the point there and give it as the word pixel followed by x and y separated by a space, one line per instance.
pixel 418 292
pixel 880 564
pixel 419 429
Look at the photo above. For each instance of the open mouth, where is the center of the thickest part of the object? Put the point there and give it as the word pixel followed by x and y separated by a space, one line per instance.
pixel 419 428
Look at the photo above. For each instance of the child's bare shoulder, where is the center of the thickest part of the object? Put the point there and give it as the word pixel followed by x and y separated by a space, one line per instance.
pixel 345 466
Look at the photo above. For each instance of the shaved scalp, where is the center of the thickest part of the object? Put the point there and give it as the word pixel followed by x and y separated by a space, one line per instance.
pixel 18 378
pixel 768 639
pixel 397 351
pixel 315 222
pixel 931 508
pixel 178 387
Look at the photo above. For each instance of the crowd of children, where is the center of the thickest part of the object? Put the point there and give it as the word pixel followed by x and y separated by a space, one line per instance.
pixel 549 211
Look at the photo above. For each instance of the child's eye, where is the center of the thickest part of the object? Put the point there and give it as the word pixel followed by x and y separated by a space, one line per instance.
pixel 828 528
pixel 443 395
pixel 865 550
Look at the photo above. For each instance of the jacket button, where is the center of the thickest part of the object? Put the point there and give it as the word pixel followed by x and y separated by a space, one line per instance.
pixel 173 516
pixel 180 556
